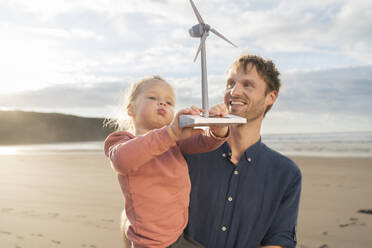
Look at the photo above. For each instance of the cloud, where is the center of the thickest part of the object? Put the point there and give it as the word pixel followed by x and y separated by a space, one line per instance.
pixel 297 122
pixel 69 48
pixel 331 97
pixel 84 41
pixel 346 91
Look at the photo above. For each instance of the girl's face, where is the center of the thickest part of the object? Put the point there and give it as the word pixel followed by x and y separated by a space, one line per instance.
pixel 153 107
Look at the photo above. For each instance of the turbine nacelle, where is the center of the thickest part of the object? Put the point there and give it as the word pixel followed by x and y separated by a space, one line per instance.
pixel 198 30
pixel 201 30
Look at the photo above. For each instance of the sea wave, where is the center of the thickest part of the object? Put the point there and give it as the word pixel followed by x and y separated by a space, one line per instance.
pixel 358 144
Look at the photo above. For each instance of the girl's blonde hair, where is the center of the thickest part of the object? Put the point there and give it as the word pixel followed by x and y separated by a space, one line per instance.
pixel 121 120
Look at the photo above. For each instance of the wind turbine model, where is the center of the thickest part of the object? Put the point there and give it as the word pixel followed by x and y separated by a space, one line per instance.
pixel 202 30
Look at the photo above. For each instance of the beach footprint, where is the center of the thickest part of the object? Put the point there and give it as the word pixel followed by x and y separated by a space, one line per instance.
pixel 31 213
pixel 56 242
pixel 40 235
pixel 7 210
pixel 347 224
pixel 53 215
pixel 365 211
pixel 108 220
pixel 301 246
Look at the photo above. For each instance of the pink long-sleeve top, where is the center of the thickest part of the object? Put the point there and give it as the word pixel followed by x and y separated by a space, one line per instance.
pixel 153 177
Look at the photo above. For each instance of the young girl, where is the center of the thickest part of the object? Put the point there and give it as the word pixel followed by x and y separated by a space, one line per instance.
pixel 152 172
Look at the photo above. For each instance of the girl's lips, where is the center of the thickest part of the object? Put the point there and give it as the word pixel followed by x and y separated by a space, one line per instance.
pixel 161 112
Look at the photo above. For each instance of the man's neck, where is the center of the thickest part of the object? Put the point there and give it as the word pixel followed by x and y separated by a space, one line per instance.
pixel 242 137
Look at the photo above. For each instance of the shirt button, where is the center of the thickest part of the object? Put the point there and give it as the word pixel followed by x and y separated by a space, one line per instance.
pixel 229 199
pixel 223 228
pixel 224 155
pixel 236 172
pixel 249 160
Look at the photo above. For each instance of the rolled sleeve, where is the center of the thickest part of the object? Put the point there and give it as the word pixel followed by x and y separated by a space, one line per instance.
pixel 283 229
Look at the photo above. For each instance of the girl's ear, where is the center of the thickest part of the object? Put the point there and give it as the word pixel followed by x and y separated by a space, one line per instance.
pixel 130 110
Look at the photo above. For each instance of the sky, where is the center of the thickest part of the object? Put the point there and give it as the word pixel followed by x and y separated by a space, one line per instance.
pixel 79 56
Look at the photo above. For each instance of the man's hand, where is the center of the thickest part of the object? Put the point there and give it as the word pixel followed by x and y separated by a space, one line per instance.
pixel 178 133
pixel 221 111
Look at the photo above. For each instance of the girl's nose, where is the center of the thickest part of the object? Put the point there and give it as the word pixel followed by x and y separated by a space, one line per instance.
pixel 162 103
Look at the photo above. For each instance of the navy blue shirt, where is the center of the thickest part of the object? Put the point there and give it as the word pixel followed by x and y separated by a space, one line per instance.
pixel 251 204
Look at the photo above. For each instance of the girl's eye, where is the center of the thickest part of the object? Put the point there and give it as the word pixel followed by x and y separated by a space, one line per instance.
pixel 169 103
pixel 152 97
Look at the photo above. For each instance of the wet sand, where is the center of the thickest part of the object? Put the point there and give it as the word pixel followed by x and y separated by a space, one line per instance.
pixel 70 200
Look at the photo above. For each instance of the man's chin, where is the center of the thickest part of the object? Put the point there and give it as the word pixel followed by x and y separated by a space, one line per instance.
pixel 237 113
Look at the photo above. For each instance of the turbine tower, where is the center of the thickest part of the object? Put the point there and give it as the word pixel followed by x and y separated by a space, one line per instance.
pixel 201 31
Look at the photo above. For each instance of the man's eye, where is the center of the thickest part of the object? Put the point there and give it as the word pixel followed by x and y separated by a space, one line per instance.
pixel 247 84
pixel 230 85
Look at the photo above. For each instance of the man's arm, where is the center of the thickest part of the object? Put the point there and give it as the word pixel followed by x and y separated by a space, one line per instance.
pixel 282 232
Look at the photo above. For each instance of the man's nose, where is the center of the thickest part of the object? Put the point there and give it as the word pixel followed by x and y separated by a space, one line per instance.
pixel 236 90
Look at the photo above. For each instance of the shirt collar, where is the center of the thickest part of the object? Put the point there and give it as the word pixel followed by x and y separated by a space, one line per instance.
pixel 250 155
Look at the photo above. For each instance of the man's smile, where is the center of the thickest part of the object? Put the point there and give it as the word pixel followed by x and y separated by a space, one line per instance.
pixel 236 103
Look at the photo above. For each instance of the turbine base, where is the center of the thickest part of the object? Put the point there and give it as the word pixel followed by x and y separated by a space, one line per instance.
pixel 195 120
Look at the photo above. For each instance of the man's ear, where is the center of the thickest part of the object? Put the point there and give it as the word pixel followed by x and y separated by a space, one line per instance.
pixel 271 97
pixel 130 110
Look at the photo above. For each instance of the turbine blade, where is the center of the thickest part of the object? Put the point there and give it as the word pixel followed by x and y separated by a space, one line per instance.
pixel 202 40
pixel 200 19
pixel 221 36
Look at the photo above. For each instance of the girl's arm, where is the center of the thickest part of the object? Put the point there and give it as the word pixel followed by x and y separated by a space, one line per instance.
pixel 127 152
pixel 201 143
pixel 211 139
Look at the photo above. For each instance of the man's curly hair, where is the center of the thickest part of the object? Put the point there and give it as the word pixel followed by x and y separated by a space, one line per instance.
pixel 265 68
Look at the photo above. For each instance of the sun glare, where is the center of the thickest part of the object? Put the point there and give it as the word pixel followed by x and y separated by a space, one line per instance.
pixel 7 150
pixel 26 63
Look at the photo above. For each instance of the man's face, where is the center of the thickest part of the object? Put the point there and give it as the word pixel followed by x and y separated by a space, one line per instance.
pixel 245 94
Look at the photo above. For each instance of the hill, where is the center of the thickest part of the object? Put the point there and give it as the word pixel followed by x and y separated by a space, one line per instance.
pixel 19 127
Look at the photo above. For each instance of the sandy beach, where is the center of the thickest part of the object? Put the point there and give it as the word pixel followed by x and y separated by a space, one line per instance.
pixel 70 200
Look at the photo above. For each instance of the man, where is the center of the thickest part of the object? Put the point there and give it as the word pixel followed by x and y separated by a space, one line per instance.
pixel 244 194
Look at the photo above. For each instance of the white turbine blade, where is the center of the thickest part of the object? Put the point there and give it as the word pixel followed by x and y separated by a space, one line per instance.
pixel 200 19
pixel 221 36
pixel 202 40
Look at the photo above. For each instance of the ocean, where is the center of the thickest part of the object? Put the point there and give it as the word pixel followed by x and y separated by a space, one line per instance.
pixel 350 144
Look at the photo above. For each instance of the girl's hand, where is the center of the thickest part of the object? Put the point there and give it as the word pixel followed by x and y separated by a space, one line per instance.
pixel 221 111
pixel 178 133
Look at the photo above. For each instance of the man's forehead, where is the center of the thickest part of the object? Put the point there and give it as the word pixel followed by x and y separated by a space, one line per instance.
pixel 234 70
